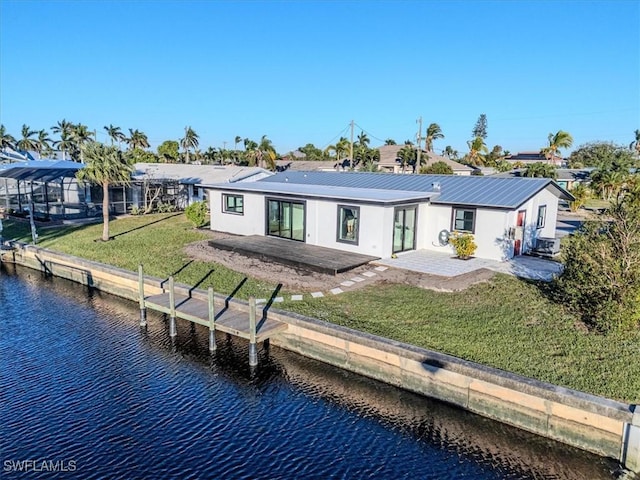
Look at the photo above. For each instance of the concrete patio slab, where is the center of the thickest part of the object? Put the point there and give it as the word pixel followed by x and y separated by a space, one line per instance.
pixel 445 265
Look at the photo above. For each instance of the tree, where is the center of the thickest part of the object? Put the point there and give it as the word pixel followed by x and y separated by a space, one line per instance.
pixel 6 140
pixel 503 166
pixel 115 134
pixel 78 137
pixel 137 139
pixel 26 143
pixel 477 152
pixel 340 148
pixel 105 165
pixel 561 139
pixel 608 182
pixel 581 194
pixel 480 130
pixel 168 151
pixel 190 140
pixel 43 143
pixel 602 155
pixel 363 140
pixel 601 277
pixel 450 153
pixel 635 145
pixel 434 132
pixel 494 156
pixel 390 141
pixel 408 156
pixel 437 168
pixel 311 152
pixel 541 170
pixel 266 154
pixel 64 129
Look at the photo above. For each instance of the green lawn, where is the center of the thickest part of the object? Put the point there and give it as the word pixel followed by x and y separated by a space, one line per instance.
pixel 506 323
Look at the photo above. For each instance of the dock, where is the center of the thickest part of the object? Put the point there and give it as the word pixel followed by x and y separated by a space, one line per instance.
pixel 233 321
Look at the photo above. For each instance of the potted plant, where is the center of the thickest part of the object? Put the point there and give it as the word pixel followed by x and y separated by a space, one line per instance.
pixel 463 244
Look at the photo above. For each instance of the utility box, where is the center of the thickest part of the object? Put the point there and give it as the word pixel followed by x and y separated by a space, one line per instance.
pixel 547 246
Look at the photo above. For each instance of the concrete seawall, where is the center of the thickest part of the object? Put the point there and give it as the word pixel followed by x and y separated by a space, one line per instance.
pixel 595 424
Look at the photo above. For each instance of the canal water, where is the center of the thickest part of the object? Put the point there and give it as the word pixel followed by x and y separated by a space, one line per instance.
pixel 86 394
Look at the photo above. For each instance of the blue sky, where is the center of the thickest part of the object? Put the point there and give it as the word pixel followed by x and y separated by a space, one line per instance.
pixel 300 71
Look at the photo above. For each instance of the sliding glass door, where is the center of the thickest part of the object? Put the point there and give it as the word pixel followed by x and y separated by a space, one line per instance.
pixel 404 229
pixel 285 219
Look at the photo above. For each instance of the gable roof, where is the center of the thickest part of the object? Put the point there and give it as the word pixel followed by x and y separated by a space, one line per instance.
pixel 476 191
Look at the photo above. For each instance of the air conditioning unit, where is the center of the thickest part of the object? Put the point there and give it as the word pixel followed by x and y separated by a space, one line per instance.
pixel 547 246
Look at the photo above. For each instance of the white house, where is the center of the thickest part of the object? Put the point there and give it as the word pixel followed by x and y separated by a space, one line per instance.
pixel 384 214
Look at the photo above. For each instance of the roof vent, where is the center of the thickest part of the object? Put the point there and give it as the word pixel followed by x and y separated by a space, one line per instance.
pixel 435 186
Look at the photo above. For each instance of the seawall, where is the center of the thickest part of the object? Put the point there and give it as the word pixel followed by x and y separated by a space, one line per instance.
pixel 589 422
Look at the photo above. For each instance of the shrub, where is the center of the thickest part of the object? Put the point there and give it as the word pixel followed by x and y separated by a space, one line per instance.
pixel 463 244
pixel 197 213
pixel 135 210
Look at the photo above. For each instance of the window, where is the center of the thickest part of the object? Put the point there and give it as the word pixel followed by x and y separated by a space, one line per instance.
pixel 286 219
pixel 348 224
pixel 233 204
pixel 542 213
pixel 464 220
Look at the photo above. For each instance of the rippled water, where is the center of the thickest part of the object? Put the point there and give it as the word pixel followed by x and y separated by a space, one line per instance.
pixel 82 383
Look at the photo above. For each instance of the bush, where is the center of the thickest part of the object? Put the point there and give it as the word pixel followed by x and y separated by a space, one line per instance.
pixel 197 213
pixel 463 244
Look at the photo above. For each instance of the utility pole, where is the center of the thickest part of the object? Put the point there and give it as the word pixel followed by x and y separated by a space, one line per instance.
pixel 419 138
pixel 351 146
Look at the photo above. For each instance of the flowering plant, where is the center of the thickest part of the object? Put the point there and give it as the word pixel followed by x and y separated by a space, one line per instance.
pixel 463 244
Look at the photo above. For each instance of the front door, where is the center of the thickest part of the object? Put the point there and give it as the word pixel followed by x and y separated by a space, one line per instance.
pixel 519 234
pixel 404 229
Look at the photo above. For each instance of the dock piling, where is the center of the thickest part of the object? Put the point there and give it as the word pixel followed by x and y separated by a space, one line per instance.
pixel 143 309
pixel 173 331
pixel 212 325
pixel 253 351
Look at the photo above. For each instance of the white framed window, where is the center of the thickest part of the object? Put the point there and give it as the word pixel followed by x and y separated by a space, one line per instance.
pixel 542 213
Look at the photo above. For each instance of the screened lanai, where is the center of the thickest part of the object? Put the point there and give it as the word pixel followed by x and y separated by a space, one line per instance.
pixel 49 185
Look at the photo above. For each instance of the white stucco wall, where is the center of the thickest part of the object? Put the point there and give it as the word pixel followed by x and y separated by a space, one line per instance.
pixel 376 225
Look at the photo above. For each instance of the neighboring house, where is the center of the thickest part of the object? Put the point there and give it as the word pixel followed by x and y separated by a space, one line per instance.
pixel 533 157
pixel 390 163
pixel 567 178
pixel 183 179
pixel 384 214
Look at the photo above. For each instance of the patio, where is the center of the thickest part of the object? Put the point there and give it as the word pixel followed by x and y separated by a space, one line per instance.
pixel 446 265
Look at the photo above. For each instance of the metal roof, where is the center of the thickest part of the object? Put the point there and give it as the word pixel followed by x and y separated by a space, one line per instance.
pixel 40 170
pixel 459 190
pixel 197 174
pixel 363 195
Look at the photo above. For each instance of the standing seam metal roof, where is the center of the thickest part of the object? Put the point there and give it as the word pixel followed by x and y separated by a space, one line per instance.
pixel 460 190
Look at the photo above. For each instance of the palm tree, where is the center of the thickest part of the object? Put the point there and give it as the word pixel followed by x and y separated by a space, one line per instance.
pixel 541 170
pixel 450 153
pixel 340 148
pixel 560 140
pixel 434 132
pixel 236 141
pixel 6 140
pixel 265 153
pixel 390 141
pixel 477 151
pixel 137 139
pixel 80 135
pixel 407 156
pixel 190 140
pixel 43 142
pixel 64 129
pixel 635 145
pixel 105 165
pixel 363 140
pixel 115 134
pixel 27 143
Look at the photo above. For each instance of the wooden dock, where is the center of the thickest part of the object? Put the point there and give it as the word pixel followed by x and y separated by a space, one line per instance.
pixel 232 321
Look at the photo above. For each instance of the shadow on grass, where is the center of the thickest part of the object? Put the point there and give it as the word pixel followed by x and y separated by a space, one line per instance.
pixel 146 225
pixel 201 281
pixel 266 308
pixel 162 283
pixel 230 296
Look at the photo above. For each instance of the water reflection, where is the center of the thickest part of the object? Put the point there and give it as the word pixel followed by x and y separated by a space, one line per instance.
pixel 128 402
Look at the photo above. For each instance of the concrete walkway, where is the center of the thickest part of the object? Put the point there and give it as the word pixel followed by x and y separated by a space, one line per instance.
pixel 444 264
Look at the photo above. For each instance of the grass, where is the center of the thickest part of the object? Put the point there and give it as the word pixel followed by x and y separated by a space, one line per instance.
pixel 505 323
